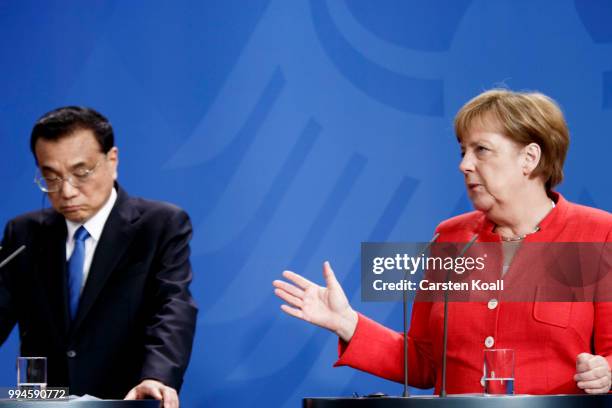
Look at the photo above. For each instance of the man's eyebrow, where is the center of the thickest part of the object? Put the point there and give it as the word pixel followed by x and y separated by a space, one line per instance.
pixel 79 164
pixel 48 168
pixel 72 167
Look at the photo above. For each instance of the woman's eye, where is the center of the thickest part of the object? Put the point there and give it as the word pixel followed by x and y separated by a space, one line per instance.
pixel 481 149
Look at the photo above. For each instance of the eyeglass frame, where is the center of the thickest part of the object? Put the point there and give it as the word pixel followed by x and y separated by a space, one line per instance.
pixel 82 179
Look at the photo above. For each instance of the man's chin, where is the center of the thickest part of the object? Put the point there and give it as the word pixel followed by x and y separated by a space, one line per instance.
pixel 75 216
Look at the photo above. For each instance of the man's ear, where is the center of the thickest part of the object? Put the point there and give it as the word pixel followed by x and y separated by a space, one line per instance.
pixel 113 157
pixel 531 155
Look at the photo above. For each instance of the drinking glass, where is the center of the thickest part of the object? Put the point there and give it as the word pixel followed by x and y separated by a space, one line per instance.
pixel 499 371
pixel 32 373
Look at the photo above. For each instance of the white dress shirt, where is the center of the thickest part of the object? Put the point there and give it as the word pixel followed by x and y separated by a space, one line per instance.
pixel 94 227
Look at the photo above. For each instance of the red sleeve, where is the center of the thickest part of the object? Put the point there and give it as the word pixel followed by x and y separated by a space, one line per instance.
pixel 378 350
pixel 603 310
pixel 603 330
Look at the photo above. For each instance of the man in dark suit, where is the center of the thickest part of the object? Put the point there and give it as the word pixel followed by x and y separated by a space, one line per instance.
pixel 102 289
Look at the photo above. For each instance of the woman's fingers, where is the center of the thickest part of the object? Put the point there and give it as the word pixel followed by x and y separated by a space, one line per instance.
pixel 593 374
pixel 295 297
pixel 586 362
pixel 600 383
pixel 328 275
pixel 298 279
pixel 289 288
pixel 289 298
pixel 292 311
pixel 597 390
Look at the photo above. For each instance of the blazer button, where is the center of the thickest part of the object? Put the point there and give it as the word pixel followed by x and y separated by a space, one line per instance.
pixel 71 353
pixel 492 304
pixel 489 342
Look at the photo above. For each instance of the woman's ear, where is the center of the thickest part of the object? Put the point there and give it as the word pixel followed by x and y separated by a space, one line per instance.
pixel 531 155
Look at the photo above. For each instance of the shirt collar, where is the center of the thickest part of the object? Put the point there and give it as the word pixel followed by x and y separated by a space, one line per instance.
pixel 95 224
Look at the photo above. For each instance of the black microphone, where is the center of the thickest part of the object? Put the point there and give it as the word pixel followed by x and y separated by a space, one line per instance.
pixel 11 256
pixel 406 393
pixel 463 251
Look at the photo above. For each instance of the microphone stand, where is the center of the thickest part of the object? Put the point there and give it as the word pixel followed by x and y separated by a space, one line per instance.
pixel 11 256
pixel 405 393
pixel 445 338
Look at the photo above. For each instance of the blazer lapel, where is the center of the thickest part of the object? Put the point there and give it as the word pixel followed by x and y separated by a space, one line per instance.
pixel 116 236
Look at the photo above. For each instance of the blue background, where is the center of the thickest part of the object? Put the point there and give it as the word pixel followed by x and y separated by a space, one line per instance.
pixel 292 131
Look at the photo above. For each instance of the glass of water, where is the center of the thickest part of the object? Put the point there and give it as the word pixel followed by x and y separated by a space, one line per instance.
pixel 499 372
pixel 32 373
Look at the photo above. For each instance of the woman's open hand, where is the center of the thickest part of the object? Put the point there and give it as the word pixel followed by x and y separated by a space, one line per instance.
pixel 327 306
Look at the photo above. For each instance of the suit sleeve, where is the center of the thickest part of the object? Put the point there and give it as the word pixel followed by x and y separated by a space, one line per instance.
pixel 171 328
pixel 7 308
pixel 378 350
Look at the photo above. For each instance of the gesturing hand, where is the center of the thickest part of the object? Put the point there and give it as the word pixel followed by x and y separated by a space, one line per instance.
pixel 592 373
pixel 326 307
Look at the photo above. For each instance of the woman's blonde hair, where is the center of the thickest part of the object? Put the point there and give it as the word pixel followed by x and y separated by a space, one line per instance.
pixel 525 117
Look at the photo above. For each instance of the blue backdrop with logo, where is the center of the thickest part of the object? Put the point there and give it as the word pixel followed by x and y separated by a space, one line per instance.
pixel 292 131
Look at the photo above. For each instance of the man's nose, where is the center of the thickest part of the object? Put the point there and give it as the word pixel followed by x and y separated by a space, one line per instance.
pixel 68 190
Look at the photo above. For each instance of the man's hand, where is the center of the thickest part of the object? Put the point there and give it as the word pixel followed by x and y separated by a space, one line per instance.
pixel 592 373
pixel 154 389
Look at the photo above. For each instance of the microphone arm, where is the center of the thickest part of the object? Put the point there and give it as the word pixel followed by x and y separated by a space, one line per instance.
pixel 463 251
pixel 405 393
pixel 11 256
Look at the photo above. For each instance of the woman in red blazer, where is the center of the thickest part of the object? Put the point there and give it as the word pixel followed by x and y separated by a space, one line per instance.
pixel 513 147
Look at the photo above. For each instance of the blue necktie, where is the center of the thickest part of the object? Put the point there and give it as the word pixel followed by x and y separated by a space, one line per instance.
pixel 75 269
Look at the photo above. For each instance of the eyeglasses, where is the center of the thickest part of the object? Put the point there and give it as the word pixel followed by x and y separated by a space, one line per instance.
pixel 76 179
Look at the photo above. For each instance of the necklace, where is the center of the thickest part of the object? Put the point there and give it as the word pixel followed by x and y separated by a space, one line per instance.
pixel 522 237
pixel 519 237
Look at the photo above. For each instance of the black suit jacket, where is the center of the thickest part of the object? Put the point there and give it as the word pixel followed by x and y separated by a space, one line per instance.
pixel 136 317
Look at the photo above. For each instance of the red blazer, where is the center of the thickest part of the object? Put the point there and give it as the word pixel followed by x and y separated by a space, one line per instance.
pixel 546 336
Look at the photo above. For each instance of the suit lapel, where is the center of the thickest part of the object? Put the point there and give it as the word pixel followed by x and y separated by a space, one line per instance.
pixel 116 236
pixel 52 268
